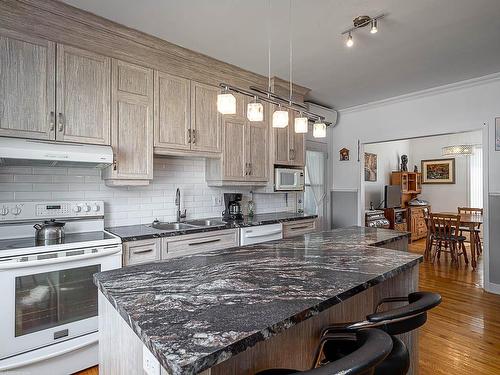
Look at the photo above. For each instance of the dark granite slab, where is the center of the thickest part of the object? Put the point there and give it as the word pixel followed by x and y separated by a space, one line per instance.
pixel 142 232
pixel 196 311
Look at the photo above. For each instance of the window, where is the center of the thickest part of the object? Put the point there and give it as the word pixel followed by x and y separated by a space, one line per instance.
pixel 476 178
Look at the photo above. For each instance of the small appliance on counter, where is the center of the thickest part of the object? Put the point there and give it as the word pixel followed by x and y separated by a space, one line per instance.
pixel 376 219
pixel 288 179
pixel 418 202
pixel 232 211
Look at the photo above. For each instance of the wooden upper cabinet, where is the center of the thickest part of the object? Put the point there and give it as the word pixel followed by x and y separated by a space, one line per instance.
pixel 289 146
pixel 83 96
pixel 234 163
pixel 172 112
pixel 132 124
pixel 27 86
pixel 205 119
pixel 256 150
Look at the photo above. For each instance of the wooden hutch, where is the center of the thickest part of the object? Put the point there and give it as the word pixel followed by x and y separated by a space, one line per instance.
pixel 409 218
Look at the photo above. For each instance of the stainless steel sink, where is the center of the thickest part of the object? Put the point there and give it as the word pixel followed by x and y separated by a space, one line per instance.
pixel 207 222
pixel 172 226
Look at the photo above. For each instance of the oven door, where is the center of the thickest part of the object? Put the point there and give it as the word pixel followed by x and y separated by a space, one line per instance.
pixel 49 298
pixel 289 179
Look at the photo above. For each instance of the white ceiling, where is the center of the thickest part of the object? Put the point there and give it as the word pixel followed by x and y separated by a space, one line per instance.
pixel 421 44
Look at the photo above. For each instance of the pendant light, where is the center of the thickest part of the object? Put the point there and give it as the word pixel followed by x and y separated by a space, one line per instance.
pixel 319 129
pixel 255 111
pixel 280 118
pixel 301 123
pixel 226 103
pixel 349 42
pixel 374 28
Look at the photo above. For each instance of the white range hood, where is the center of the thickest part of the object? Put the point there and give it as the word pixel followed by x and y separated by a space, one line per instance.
pixel 15 152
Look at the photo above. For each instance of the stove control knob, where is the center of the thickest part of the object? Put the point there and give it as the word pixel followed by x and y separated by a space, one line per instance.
pixel 77 208
pixel 4 211
pixel 16 210
pixel 96 207
pixel 86 208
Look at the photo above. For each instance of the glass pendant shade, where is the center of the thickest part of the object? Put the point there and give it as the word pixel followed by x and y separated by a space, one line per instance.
pixel 280 119
pixel 319 130
pixel 457 150
pixel 301 124
pixel 226 103
pixel 255 111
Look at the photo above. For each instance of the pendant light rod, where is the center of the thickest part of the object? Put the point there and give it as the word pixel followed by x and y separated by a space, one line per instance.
pixel 269 45
pixel 272 95
pixel 290 47
pixel 274 99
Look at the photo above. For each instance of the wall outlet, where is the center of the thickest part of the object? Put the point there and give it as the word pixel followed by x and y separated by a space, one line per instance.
pixel 149 363
pixel 217 200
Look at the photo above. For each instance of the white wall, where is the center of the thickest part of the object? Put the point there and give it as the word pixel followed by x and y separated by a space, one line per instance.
pixel 454 108
pixel 133 205
pixel 388 160
pixel 446 197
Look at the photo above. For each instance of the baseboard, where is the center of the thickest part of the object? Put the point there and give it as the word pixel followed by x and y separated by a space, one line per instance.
pixel 492 288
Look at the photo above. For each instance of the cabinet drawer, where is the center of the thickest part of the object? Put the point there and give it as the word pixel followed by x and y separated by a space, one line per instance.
pixel 299 227
pixel 136 252
pixel 199 242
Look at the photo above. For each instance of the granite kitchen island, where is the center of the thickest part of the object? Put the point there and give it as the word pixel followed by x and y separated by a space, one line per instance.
pixel 240 310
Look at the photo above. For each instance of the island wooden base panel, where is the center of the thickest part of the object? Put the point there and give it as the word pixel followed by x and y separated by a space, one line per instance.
pixel 462 335
pixel 120 350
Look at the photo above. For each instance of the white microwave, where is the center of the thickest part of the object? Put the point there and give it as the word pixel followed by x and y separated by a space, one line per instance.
pixel 286 179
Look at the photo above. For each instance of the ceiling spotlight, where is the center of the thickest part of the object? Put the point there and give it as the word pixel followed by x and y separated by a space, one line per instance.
pixel 374 28
pixel 349 42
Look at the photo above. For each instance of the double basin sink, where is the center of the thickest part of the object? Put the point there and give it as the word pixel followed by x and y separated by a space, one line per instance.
pixel 186 225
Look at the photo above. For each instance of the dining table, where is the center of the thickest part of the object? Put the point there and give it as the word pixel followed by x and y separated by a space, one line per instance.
pixel 471 221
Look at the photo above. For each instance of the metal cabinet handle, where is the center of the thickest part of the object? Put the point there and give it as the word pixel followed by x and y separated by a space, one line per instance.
pixel 203 242
pixel 142 251
pixel 193 136
pixel 246 169
pixel 60 121
pixel 250 168
pixel 189 135
pixel 115 162
pixel 52 121
pixel 301 227
pixel 292 154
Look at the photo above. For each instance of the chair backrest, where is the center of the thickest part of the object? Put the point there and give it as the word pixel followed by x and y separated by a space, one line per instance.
pixel 470 210
pixel 445 225
pixel 371 347
pixel 408 317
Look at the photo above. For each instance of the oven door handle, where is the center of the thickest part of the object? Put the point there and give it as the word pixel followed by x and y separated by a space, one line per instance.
pixel 6 265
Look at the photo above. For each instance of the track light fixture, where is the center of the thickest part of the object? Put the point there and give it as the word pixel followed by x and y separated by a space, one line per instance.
pixel 360 22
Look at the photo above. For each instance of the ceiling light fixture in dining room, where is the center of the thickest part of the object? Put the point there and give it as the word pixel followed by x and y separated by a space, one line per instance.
pixel 456 150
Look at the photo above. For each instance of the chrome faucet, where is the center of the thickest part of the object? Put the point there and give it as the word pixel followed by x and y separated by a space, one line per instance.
pixel 180 215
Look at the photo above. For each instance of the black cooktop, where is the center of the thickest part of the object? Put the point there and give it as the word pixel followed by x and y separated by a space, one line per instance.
pixel 22 243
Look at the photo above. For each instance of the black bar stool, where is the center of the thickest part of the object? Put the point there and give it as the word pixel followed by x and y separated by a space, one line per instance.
pixel 367 348
pixel 394 322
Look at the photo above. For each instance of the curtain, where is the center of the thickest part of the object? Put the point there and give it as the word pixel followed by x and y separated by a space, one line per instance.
pixel 315 182
pixel 476 178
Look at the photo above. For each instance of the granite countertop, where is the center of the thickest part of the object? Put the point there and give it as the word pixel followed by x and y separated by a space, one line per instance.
pixel 196 311
pixel 142 232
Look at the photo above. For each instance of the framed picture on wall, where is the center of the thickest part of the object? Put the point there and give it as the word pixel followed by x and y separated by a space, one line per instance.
pixel 438 171
pixel 370 167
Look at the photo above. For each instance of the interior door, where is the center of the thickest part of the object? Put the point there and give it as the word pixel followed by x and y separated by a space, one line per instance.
pixel 83 96
pixel 172 112
pixel 27 86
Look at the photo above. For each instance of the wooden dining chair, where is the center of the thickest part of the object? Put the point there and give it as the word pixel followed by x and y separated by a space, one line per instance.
pixel 476 235
pixel 445 232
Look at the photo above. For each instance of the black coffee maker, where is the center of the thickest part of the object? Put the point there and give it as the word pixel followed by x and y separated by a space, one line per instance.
pixel 232 207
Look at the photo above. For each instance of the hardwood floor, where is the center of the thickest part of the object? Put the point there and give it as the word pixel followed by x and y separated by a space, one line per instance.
pixel 462 335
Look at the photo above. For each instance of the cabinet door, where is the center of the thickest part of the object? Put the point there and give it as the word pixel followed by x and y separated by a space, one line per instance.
pixel 281 142
pixel 172 112
pixel 83 96
pixel 234 164
pixel 27 87
pixel 132 121
pixel 256 144
pixel 297 144
pixel 205 119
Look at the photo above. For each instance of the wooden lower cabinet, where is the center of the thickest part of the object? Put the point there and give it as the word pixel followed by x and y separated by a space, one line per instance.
pixel 416 221
pixel 189 244
pixel 298 227
pixel 142 251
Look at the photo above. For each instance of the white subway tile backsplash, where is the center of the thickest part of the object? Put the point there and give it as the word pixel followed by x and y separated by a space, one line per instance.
pixel 134 204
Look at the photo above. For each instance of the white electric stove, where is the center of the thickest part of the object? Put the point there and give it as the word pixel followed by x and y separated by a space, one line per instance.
pixel 48 319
